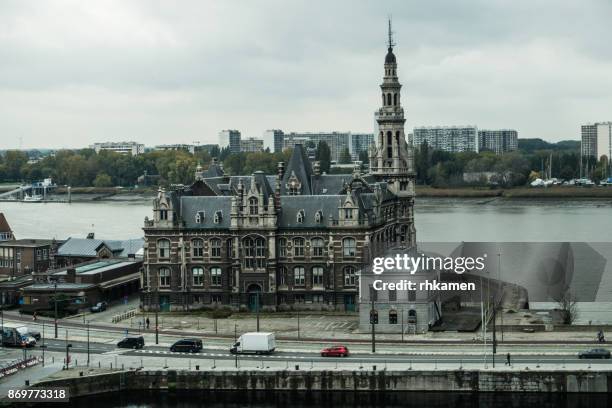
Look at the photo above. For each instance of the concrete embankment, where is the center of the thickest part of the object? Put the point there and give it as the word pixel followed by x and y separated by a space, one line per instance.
pixel 348 381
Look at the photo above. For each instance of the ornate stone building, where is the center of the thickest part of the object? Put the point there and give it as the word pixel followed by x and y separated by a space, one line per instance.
pixel 297 239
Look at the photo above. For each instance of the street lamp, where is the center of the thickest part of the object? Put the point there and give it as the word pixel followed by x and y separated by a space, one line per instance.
pixel 68 345
pixel 55 303
pixel 156 316
pixel 88 343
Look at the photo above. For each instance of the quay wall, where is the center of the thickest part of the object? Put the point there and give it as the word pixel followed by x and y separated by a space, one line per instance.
pixel 347 381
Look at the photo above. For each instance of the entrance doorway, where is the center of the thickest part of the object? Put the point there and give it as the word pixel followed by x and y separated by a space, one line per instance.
pixel 254 291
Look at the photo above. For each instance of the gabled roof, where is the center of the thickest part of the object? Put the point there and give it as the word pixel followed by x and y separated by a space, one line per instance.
pixel 214 170
pixel 4 225
pixel 298 165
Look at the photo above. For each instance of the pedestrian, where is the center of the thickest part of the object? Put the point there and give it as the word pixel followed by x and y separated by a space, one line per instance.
pixel 34 316
pixel 508 360
pixel 147 322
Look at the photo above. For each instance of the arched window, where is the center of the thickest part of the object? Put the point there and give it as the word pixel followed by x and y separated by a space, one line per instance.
pixel 197 248
pixel 317 246
pixel 299 276
pixel 163 214
pixel 254 252
pixel 317 276
pixel 215 276
pixel 318 216
pixel 215 248
pixel 198 275
pixel 388 99
pixel 164 277
pixel 298 246
pixel 228 248
pixel 350 276
pixel 394 99
pixel 389 138
pixel 282 276
pixel 282 247
pixel 349 247
pixel 199 219
pixel 392 317
pixel 300 216
pixel 163 248
pixel 218 217
pixel 253 206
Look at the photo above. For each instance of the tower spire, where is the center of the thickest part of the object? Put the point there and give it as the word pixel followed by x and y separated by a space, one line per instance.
pixel 391 43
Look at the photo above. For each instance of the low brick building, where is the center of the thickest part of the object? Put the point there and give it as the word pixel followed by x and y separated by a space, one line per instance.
pixel 24 256
pixel 81 286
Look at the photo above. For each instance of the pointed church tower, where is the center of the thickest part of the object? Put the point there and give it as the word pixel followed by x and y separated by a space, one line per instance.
pixel 392 160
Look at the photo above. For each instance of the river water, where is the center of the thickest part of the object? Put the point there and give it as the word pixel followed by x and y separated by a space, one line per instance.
pixel 437 219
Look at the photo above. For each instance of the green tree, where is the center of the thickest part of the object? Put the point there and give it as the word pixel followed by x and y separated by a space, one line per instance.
pixel 102 180
pixel 345 156
pixel 323 155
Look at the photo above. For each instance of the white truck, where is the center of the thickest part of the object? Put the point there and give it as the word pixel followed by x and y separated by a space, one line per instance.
pixel 254 343
pixel 16 335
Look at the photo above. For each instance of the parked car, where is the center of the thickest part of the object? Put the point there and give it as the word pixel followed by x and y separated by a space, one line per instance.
pixel 594 353
pixel 131 342
pixel 98 307
pixel 187 345
pixel 255 343
pixel 335 351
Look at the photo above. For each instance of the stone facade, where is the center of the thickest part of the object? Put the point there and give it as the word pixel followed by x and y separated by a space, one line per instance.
pixel 297 239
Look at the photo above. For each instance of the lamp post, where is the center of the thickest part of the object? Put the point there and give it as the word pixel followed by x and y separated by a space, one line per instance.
pixel 88 343
pixel 68 345
pixel 257 310
pixel 55 303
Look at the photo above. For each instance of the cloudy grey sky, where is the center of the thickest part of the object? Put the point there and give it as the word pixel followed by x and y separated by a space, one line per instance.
pixel 75 72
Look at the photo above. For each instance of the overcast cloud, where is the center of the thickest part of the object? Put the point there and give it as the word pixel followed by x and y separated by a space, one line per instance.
pixel 76 72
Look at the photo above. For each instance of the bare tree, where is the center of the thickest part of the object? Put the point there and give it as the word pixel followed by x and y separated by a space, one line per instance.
pixel 567 303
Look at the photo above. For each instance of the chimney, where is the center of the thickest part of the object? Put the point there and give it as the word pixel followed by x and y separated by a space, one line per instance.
pixel 91 235
pixel 281 169
pixel 70 275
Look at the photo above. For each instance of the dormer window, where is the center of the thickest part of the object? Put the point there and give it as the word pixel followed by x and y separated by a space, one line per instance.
pixel 293 185
pixel 318 216
pixel 199 219
pixel 253 206
pixel 218 217
pixel 300 216
pixel 163 214
pixel 348 213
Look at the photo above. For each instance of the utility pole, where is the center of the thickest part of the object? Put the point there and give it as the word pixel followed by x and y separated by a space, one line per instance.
pixel 501 295
pixel 67 350
pixel 2 334
pixel 55 303
pixel 43 346
pixel 402 312
pixel 298 321
pixel 156 316
pixel 494 344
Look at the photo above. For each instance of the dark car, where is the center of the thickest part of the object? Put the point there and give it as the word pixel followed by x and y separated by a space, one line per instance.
pixel 98 307
pixel 131 342
pixel 335 351
pixel 187 345
pixel 594 353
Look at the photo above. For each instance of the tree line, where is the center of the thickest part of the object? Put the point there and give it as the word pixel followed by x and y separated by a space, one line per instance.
pixel 433 167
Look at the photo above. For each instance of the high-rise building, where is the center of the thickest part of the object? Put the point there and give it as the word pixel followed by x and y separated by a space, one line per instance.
pixel 230 138
pixel 251 144
pixel 337 142
pixel 448 138
pixel 597 140
pixel 498 141
pixel 131 148
pixel 273 140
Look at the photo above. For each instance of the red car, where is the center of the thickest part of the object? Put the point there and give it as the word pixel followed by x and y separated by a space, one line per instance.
pixel 335 351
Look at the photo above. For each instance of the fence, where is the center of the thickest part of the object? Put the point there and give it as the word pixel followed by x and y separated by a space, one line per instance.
pixel 125 315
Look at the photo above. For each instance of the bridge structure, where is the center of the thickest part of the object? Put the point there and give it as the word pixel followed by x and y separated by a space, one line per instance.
pixel 36 191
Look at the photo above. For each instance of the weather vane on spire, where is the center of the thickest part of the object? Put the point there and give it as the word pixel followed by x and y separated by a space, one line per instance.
pixel 391 43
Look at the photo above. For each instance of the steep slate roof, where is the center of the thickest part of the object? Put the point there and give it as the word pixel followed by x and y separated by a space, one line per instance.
pixel 191 205
pixel 214 170
pixel 300 166
pixel 4 225
pixel 291 205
